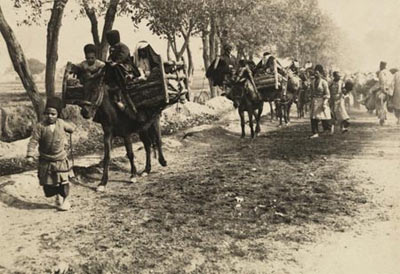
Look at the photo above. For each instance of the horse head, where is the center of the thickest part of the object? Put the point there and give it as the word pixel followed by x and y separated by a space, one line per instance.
pixel 94 90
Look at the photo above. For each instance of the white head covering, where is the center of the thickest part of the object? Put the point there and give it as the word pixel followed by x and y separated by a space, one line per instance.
pixel 140 45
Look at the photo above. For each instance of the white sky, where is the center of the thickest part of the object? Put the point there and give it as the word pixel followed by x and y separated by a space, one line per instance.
pixel 373 27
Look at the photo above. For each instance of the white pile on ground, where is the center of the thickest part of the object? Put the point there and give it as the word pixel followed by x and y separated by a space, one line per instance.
pixel 185 112
pixel 220 104
pixel 23 186
pixel 14 149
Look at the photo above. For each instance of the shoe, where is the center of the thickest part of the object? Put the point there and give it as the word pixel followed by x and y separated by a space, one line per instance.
pixel 314 136
pixel 65 206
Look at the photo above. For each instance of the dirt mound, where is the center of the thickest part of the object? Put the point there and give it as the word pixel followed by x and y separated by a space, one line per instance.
pixel 16 122
pixel 220 104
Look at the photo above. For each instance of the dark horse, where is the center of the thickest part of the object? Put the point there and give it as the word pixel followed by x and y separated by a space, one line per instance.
pixel 290 96
pixel 116 123
pixel 304 98
pixel 246 97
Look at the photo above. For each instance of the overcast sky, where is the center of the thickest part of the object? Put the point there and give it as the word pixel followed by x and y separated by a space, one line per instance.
pixel 373 28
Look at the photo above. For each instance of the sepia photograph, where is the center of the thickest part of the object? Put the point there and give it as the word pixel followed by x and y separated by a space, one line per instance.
pixel 199 137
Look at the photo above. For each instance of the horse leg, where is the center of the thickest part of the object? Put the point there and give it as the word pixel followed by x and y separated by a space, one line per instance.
pixel 155 131
pixel 131 157
pixel 106 161
pixel 271 110
pixel 258 117
pixel 289 105
pixel 146 140
pixel 279 113
pixel 242 122
pixel 251 125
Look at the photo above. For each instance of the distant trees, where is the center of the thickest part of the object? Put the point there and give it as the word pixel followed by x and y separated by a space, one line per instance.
pixel 295 28
pixel 36 66
pixel 21 65
pixel 34 11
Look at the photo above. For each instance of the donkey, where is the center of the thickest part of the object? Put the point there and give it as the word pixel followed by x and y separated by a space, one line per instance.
pixel 116 123
pixel 247 99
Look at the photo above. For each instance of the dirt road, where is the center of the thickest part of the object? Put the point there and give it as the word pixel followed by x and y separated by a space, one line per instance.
pixel 279 204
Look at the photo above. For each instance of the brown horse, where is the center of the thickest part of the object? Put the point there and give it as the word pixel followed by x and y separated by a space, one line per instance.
pixel 247 99
pixel 116 123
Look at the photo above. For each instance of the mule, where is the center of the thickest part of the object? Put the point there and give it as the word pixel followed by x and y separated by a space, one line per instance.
pixel 247 99
pixel 304 98
pixel 116 123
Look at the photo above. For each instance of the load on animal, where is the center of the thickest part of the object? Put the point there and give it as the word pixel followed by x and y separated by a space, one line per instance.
pixel 126 95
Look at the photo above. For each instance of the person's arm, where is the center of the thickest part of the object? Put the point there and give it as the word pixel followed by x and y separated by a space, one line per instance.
pixel 33 141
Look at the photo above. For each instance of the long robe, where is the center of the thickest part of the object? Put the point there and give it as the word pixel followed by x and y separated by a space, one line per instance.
pixel 53 167
pixel 320 93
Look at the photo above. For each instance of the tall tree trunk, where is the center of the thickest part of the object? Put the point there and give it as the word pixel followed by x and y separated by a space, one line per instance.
pixel 91 14
pixel 205 38
pixel 168 50
pixel 213 48
pixel 21 66
pixel 53 31
pixel 108 24
pixel 190 60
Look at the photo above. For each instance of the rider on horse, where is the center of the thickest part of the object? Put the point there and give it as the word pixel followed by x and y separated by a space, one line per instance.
pixel 121 62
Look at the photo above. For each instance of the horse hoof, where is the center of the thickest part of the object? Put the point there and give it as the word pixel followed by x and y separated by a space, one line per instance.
pixel 101 188
pixel 144 174
pixel 163 162
pixel 133 180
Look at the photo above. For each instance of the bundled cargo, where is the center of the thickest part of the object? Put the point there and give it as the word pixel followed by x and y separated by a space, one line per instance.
pixel 166 85
pixel 265 81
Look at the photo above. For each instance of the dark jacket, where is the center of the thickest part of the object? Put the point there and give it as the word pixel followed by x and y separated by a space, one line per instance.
pixel 223 70
pixel 120 53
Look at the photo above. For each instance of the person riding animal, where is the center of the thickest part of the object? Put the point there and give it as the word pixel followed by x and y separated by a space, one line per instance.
pixel 123 69
pixel 89 68
pixel 244 78
pixel 295 66
pixel 146 60
pixel 267 65
pixel 222 69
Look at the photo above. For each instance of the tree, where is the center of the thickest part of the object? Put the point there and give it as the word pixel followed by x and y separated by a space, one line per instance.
pixel 34 13
pixel 311 34
pixel 53 31
pixel 20 65
pixel 172 20
pixel 94 9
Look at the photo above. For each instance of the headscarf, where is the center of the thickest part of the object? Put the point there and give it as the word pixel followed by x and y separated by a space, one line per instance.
pixel 154 58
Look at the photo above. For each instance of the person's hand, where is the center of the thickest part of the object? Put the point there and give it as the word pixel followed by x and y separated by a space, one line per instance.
pixel 30 159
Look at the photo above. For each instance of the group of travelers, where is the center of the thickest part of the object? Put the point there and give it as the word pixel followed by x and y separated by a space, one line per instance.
pixel 327 99
pixel 327 95
pixel 54 168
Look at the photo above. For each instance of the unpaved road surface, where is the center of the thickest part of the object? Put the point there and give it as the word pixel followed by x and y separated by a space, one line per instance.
pixel 281 203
